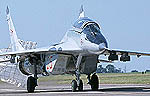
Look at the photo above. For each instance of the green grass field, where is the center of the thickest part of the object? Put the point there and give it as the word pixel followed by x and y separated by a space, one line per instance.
pixel 105 78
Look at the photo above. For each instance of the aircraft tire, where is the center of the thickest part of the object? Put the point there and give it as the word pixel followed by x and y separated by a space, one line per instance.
pixel 94 82
pixel 31 84
pixel 80 87
pixel 22 69
pixel 74 85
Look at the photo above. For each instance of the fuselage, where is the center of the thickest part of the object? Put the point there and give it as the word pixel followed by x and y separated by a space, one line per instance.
pixel 86 33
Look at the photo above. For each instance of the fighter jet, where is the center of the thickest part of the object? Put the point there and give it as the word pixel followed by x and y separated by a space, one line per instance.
pixel 77 53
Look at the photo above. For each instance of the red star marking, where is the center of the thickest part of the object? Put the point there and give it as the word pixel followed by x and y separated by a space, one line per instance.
pixel 51 66
pixel 11 31
pixel 50 62
pixel 47 67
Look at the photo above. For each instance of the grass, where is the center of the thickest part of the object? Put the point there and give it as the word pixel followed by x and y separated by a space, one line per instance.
pixel 125 78
pixel 105 78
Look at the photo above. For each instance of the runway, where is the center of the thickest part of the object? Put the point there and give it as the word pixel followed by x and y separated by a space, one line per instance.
pixel 49 89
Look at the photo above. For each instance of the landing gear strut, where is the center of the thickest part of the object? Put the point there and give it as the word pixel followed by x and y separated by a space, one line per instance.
pixel 32 81
pixel 94 82
pixel 78 82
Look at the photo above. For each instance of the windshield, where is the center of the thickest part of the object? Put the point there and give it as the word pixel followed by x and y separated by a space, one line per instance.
pixel 92 28
pixel 93 33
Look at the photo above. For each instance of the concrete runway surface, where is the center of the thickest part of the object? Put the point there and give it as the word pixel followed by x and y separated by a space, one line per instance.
pixel 51 89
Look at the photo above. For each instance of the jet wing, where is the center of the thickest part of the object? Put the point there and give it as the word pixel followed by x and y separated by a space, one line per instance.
pixel 61 48
pixel 121 52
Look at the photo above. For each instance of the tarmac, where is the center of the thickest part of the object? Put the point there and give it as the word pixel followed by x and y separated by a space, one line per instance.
pixel 52 89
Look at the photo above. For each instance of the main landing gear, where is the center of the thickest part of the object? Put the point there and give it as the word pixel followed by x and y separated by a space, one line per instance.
pixel 32 81
pixel 93 80
pixel 31 84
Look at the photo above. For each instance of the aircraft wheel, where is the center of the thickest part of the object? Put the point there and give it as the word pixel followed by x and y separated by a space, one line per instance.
pixel 80 87
pixel 74 85
pixel 31 84
pixel 94 82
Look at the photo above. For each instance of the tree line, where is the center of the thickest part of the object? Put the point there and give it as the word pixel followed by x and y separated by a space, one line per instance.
pixel 108 69
pixel 112 69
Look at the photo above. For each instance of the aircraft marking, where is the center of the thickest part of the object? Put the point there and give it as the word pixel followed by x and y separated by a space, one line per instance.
pixel 51 65
pixel 11 31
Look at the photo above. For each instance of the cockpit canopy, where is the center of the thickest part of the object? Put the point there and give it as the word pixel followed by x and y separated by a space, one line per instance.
pixel 82 22
pixel 91 29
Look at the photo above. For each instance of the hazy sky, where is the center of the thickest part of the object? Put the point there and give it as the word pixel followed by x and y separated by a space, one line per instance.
pixel 125 23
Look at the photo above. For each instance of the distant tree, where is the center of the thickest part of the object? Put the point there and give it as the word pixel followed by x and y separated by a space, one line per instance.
pixel 134 71
pixel 117 71
pixel 110 68
pixel 104 70
pixel 147 71
pixel 100 69
pixel 100 66
pixel 120 70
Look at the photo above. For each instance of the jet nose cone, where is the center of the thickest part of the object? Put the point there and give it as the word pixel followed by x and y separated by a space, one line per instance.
pixel 102 46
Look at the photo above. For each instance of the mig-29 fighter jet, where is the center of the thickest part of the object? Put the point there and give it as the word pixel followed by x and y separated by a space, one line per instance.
pixel 77 53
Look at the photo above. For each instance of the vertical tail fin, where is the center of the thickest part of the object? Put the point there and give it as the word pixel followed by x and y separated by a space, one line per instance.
pixel 81 14
pixel 15 45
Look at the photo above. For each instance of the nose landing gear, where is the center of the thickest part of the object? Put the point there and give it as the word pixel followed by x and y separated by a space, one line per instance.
pixel 93 80
pixel 78 82
pixel 75 86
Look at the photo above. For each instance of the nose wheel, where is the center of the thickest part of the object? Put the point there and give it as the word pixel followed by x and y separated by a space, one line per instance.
pixel 75 85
